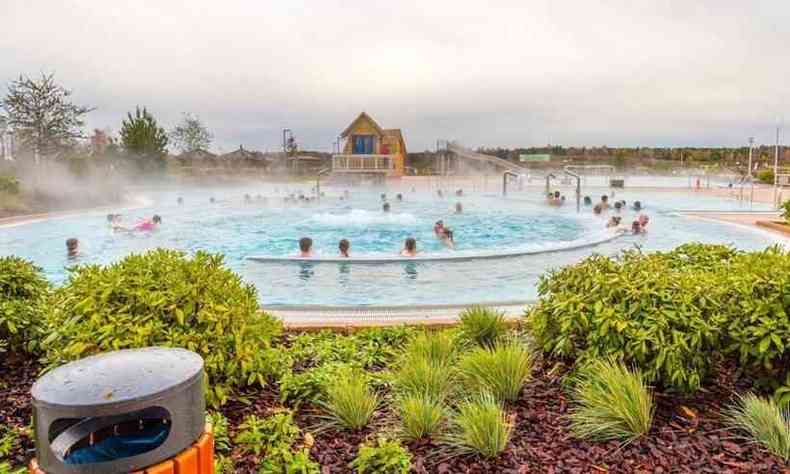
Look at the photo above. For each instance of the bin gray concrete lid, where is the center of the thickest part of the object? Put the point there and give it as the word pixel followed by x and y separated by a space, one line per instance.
pixel 118 377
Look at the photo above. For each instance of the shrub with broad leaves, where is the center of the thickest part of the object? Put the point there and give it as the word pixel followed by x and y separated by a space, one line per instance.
pixel 165 298
pixel 23 294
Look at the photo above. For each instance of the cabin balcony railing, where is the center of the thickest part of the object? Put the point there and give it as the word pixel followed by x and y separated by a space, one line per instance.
pixel 383 163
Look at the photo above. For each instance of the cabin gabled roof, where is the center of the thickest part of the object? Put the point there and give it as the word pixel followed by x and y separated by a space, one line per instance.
pixel 362 116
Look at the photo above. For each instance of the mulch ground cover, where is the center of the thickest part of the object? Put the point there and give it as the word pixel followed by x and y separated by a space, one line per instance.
pixel 687 435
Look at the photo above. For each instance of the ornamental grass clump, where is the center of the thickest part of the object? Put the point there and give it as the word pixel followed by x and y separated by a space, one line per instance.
pixel 421 416
pixel 420 376
pixel 166 298
pixel 349 403
pixel 440 348
pixel 483 326
pixel 501 371
pixel 763 421
pixel 480 427
pixel 611 403
pixel 23 292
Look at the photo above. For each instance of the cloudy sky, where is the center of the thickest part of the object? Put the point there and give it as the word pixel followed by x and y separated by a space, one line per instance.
pixel 527 72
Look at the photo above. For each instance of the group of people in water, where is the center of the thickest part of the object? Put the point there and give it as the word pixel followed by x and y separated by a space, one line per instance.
pixel 638 226
pixel 441 232
pixel 115 221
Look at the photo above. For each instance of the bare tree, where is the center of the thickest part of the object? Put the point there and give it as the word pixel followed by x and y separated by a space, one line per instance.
pixel 42 115
pixel 191 134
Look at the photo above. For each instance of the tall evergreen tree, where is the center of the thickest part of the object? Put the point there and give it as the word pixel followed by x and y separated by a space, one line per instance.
pixel 143 138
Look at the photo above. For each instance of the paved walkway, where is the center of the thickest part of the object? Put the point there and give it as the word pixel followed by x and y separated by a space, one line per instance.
pixel 338 317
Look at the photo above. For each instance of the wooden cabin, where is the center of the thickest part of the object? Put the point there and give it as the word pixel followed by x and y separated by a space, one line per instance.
pixel 370 150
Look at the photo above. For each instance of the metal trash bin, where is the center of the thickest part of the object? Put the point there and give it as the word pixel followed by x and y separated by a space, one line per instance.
pixel 84 409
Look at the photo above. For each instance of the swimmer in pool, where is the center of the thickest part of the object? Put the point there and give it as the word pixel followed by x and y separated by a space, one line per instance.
pixel 643 222
pixel 72 247
pixel 305 247
pixel 343 247
pixel 459 208
pixel 180 201
pixel 440 193
pixel 409 248
pixel 399 197
pixel 618 206
pixel 447 238
pixel 614 221
pixel 587 201
pixel 247 198
pixel 383 197
pixel 459 192
pixel 637 206
pixel 148 225
pixel 604 202
pixel 636 228
pixel 438 228
pixel 385 207
pixel 212 200
pixel 597 209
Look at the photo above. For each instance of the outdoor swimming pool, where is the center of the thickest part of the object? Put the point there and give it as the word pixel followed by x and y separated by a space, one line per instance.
pixel 488 226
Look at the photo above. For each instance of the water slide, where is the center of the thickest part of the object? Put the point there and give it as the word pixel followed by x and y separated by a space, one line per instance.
pixel 468 154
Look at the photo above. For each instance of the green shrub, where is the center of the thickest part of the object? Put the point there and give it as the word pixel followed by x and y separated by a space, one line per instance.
pixel 483 326
pixel 786 211
pixel 501 371
pixel 23 291
pixel 219 426
pixel 9 184
pixel 764 423
pixel 419 376
pixel 164 298
pixel 662 312
pixel 383 457
pixel 223 464
pixel 282 460
pixel 766 176
pixel 310 385
pixel 440 348
pixel 611 402
pixel 421 416
pixel 480 427
pixel 349 403
pixel 258 435
pixel 365 349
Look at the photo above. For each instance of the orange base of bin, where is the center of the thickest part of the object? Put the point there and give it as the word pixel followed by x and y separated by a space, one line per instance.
pixel 197 459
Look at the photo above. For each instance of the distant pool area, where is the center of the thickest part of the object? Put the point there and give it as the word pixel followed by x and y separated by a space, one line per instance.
pixel 503 244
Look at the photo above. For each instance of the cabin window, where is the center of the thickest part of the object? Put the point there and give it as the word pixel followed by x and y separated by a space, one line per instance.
pixel 363 144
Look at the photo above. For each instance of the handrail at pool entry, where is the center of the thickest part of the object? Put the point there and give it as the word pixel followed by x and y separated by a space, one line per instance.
pixel 438 258
pixel 504 180
pixel 578 189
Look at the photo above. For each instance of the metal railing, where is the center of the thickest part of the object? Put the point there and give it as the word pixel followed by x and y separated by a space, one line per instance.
pixel 363 163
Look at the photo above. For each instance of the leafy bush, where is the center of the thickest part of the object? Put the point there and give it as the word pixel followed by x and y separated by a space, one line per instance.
pixel 501 371
pixel 662 312
pixel 9 184
pixel 365 349
pixel 786 211
pixel 421 416
pixel 766 176
pixel 310 385
pixel 764 423
pixel 257 435
pixel 612 402
pixel 219 426
pixel 484 326
pixel 223 464
pixel 23 290
pixel 419 376
pixel 480 427
pixel 163 298
pixel 282 460
pixel 383 457
pixel 349 403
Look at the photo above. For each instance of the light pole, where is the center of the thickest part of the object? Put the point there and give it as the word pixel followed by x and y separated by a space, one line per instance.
pixel 776 170
pixel 751 180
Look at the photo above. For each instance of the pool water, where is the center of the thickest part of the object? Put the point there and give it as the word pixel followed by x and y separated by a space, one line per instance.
pixel 488 225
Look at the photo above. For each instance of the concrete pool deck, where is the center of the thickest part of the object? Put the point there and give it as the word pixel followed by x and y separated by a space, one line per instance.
pixel 349 318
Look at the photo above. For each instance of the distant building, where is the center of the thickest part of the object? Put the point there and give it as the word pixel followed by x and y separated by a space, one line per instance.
pixel 7 144
pixel 370 150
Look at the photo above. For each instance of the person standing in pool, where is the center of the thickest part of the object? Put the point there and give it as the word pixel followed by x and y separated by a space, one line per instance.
pixel 604 202
pixel 459 208
pixel 72 248
pixel 343 247
pixel 409 248
pixel 385 207
pixel 438 228
pixel 305 247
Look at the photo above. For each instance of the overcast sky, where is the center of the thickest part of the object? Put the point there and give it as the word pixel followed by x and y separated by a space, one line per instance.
pixel 620 72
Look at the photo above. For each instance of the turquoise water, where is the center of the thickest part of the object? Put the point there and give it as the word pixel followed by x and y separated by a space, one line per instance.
pixel 488 225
